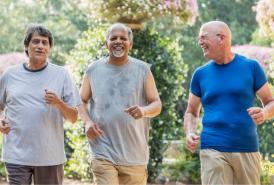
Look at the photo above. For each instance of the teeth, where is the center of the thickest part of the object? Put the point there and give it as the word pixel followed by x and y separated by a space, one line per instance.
pixel 118 48
pixel 118 53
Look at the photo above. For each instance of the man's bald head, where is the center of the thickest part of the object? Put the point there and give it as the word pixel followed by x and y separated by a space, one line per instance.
pixel 218 27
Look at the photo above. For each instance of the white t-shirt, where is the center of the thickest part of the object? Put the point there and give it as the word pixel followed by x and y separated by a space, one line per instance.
pixel 36 137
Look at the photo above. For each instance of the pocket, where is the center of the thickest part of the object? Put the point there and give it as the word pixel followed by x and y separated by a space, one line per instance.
pixel 100 165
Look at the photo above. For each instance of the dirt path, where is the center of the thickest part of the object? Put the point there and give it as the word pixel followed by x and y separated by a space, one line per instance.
pixel 66 182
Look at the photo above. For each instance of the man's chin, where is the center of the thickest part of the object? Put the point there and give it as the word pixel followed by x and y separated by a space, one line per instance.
pixel 206 55
pixel 39 58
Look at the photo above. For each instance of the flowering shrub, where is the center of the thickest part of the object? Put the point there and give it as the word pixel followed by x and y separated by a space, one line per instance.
pixel 139 11
pixel 264 55
pixel 9 59
pixel 265 17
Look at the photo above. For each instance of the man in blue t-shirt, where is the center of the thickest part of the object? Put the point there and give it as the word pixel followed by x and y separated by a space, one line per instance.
pixel 226 87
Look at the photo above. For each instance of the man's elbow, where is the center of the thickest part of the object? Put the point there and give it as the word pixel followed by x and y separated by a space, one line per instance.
pixel 159 107
pixel 73 118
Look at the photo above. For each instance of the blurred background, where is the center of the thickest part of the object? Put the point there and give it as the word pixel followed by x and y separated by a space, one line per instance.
pixel 165 35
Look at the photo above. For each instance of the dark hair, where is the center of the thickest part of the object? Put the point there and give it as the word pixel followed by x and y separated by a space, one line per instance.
pixel 41 30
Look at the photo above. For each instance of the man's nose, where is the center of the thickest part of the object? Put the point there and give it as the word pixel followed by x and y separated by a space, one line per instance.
pixel 118 40
pixel 200 42
pixel 40 44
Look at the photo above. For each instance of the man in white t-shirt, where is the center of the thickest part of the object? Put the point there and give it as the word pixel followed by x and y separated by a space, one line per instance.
pixel 35 97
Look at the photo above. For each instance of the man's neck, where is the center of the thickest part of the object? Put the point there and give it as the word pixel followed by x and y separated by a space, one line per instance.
pixel 226 58
pixel 35 65
pixel 118 61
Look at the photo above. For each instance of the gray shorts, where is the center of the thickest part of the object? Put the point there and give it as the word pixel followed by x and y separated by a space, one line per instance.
pixel 21 174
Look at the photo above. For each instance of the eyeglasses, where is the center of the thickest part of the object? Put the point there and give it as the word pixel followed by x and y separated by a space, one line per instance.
pixel 206 37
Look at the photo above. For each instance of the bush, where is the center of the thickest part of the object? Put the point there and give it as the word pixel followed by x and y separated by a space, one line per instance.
pixel 77 166
pixel 267 176
pixel 187 168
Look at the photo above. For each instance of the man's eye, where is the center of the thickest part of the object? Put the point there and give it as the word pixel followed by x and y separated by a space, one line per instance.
pixel 45 43
pixel 35 41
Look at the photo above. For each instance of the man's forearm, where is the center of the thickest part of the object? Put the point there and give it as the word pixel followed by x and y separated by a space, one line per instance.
pixel 69 113
pixel 190 123
pixel 83 113
pixel 269 110
pixel 153 109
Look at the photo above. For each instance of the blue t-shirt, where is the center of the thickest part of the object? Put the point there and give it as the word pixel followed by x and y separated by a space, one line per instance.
pixel 226 92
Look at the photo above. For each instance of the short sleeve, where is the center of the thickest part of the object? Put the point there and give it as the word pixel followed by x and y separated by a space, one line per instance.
pixel 259 76
pixel 3 94
pixel 70 92
pixel 195 85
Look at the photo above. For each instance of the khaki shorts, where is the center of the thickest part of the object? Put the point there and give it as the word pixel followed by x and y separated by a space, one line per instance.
pixel 105 172
pixel 230 167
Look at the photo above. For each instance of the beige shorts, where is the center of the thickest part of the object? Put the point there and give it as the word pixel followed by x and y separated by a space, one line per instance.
pixel 105 172
pixel 230 167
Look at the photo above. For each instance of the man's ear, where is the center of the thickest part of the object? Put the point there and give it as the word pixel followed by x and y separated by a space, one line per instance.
pixel 222 37
pixel 26 50
pixel 131 45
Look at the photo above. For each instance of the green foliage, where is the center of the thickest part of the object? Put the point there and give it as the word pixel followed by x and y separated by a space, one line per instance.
pixel 77 166
pixel 168 68
pixel 266 133
pixel 260 40
pixel 187 168
pixel 64 18
pixel 2 167
pixel 267 176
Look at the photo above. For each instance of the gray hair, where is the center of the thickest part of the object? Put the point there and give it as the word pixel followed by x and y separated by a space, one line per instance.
pixel 119 25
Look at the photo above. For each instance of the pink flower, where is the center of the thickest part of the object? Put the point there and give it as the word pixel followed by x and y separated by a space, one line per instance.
pixel 10 59
pixel 264 55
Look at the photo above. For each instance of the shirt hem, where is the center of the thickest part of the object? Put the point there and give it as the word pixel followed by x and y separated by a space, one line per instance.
pixel 222 149
pixel 27 163
pixel 120 163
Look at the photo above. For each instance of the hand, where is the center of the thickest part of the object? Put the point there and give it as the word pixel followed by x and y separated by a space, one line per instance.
pixel 52 99
pixel 192 141
pixel 92 130
pixel 4 126
pixel 136 111
pixel 257 114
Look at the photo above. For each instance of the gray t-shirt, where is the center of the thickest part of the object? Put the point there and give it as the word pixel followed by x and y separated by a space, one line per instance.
pixel 37 134
pixel 115 88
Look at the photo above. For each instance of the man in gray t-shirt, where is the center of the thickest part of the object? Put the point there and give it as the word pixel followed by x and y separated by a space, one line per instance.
pixel 35 97
pixel 123 97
